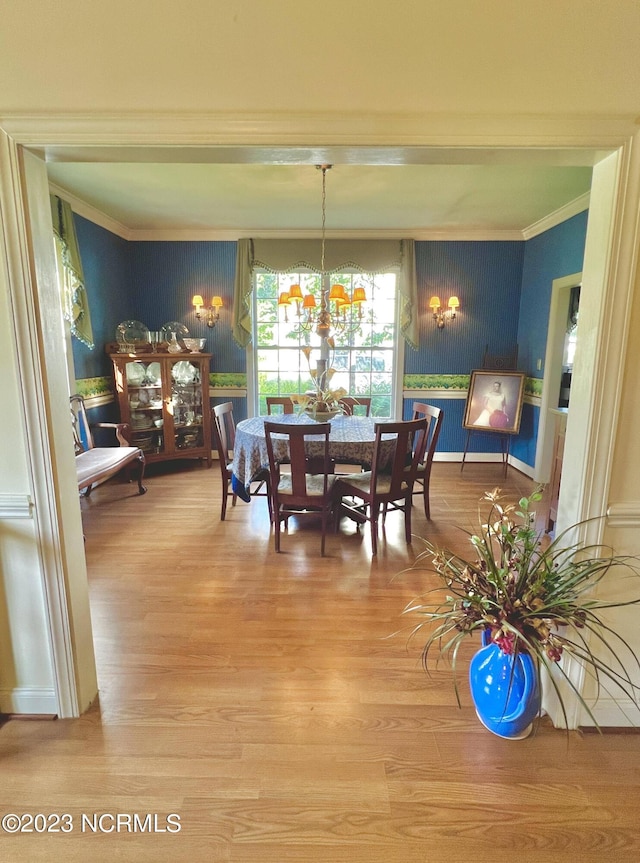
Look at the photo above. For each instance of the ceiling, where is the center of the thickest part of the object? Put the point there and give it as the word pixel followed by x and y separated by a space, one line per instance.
pixel 227 194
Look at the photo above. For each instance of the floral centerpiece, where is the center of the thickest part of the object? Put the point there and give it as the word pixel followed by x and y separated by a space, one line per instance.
pixel 527 595
pixel 324 402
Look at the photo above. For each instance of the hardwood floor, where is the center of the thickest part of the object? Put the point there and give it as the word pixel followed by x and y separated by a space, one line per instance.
pixel 264 699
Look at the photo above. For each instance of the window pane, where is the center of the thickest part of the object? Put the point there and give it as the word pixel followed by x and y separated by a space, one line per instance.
pixel 364 336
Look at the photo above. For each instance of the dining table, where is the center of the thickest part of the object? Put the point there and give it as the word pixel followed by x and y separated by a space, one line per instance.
pixel 351 441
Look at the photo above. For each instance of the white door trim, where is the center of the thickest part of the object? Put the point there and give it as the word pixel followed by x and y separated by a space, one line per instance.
pixel 558 308
pixel 610 262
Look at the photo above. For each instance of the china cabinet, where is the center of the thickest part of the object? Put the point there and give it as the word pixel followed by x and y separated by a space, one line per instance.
pixel 164 398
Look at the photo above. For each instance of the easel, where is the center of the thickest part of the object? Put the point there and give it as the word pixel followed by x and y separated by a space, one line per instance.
pixel 499 362
pixel 505 444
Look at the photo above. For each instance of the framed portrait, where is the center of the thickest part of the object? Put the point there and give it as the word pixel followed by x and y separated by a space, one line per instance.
pixel 494 401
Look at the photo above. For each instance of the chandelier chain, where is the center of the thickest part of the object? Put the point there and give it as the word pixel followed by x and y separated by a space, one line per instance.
pixel 324 169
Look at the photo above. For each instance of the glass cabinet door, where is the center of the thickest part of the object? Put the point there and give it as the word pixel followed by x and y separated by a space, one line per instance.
pixel 186 403
pixel 146 405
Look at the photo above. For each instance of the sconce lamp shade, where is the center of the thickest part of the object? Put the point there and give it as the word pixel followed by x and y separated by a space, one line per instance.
pixel 217 303
pixel 454 303
pixel 295 293
pixel 197 301
pixel 434 303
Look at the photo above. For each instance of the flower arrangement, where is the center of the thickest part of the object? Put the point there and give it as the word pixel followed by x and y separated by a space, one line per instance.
pixel 528 594
pixel 325 400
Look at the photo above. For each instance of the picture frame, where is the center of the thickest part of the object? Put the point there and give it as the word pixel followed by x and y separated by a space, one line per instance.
pixel 494 401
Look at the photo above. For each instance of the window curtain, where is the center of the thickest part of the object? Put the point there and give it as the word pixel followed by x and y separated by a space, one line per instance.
pixel 366 256
pixel 75 303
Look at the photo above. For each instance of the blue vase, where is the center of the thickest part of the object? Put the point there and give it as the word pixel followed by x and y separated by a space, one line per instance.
pixel 505 690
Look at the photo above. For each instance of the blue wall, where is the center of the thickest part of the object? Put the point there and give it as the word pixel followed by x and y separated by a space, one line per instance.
pixel 487 279
pixel 554 254
pixel 504 290
pixel 105 261
pixel 167 275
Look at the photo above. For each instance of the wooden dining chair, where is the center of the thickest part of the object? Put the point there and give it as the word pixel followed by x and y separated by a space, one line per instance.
pixel 298 492
pixel 279 401
pixel 350 402
pixel 224 435
pixel 385 485
pixel 434 417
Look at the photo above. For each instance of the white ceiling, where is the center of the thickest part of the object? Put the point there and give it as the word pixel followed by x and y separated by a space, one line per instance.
pixel 229 199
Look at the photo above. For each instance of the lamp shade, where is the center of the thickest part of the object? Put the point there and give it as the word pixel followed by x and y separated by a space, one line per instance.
pixel 197 301
pixel 295 292
pixel 359 296
pixel 217 303
pixel 309 302
pixel 454 303
pixel 434 303
pixel 283 299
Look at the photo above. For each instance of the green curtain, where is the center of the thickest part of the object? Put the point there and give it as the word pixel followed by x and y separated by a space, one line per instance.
pixel 241 325
pixel 74 295
pixel 408 288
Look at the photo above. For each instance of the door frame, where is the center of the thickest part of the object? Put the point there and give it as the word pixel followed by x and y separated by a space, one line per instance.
pixel 558 310
pixel 610 268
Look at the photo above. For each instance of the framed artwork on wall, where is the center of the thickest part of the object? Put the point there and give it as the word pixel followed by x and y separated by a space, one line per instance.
pixel 494 401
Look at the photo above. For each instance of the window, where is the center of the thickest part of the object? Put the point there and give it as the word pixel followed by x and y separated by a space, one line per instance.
pixel 364 359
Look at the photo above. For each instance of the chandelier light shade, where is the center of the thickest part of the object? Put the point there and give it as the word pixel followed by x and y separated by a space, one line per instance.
pixel 332 315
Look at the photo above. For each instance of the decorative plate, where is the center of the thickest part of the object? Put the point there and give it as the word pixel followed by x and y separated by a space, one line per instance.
pixel 135 373
pixel 132 333
pixel 174 327
pixel 184 372
pixel 154 374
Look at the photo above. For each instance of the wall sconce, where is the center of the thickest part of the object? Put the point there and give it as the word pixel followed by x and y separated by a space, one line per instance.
pixel 440 314
pixel 213 314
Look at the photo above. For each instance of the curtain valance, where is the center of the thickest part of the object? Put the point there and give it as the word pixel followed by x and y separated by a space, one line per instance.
pixel 365 256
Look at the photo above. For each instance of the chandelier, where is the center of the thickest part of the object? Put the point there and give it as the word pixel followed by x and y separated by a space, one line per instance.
pixel 339 312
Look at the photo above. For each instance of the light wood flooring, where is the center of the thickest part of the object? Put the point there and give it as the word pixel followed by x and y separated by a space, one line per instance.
pixel 264 699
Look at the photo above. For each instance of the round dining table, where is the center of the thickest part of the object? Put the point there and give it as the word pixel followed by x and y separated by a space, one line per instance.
pixel 351 441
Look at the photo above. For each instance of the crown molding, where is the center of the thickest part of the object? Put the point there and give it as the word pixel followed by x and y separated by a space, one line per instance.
pixel 93 214
pixel 201 235
pixel 578 205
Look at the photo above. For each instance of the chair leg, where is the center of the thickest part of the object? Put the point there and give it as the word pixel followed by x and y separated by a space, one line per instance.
pixel 223 508
pixel 407 518
pixel 141 465
pixel 276 530
pixel 374 514
pixel 425 495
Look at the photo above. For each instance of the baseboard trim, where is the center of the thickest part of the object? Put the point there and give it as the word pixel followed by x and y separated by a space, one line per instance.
pixel 33 701
pixel 622 713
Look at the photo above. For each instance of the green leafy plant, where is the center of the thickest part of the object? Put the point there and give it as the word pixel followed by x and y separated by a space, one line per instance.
pixel 531 594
